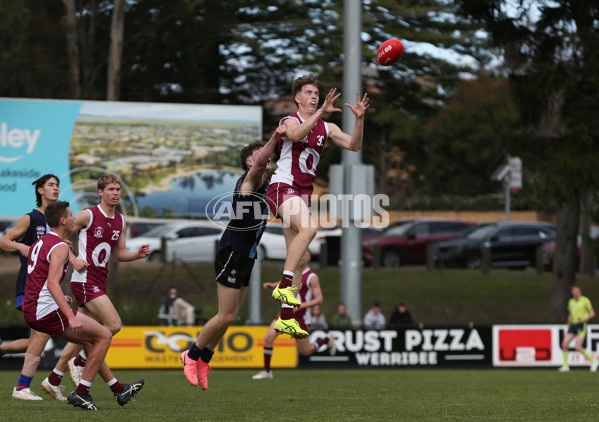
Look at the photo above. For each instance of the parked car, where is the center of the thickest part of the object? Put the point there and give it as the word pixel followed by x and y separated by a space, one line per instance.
pixel 5 225
pixel 192 241
pixel 332 238
pixel 405 241
pixel 273 244
pixel 140 227
pixel 549 249
pixel 512 244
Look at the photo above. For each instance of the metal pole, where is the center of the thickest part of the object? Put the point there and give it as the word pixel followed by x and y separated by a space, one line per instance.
pixel 507 198
pixel 351 250
pixel 254 291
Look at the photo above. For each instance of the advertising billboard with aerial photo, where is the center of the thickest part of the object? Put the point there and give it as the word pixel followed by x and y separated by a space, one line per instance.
pixel 172 158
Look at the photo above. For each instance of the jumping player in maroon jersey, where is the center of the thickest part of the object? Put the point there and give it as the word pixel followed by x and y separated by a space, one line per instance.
pixel 48 310
pixel 101 231
pixel 292 183
pixel 310 295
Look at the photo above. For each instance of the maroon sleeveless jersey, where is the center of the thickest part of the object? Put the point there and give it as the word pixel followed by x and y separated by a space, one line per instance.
pixel 38 301
pixel 305 292
pixel 96 242
pixel 298 161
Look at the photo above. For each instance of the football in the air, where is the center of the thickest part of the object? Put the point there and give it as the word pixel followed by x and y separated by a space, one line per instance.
pixel 389 52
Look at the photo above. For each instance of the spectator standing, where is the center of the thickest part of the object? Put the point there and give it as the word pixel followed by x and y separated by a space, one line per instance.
pixel 374 318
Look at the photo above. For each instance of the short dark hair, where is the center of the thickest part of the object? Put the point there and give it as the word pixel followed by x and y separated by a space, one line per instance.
pixel 55 211
pixel 39 183
pixel 249 150
pixel 299 83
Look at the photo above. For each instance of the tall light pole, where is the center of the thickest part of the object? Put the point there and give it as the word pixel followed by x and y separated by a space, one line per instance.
pixel 351 249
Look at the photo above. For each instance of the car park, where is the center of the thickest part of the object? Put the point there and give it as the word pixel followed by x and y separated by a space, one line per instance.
pixel 512 244
pixel 193 241
pixel 406 241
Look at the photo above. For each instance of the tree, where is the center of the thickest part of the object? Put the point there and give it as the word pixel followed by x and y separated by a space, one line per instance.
pixel 469 138
pixel 117 29
pixel 552 56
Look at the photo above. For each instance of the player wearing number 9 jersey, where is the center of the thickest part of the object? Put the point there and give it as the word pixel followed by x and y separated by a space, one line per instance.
pixel 100 234
pixel 292 183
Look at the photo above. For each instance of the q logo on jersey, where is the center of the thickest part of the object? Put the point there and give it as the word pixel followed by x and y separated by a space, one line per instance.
pixel 98 232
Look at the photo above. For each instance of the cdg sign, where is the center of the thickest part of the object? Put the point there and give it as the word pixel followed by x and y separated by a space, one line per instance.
pixel 159 342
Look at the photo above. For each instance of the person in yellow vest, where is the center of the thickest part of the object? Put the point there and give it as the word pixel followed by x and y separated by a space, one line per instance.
pixel 580 311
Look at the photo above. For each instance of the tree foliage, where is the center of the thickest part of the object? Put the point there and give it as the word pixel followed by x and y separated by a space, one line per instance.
pixel 469 139
pixel 552 53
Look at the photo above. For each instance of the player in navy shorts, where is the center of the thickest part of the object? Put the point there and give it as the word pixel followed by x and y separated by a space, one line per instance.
pixel 236 255
pixel 293 182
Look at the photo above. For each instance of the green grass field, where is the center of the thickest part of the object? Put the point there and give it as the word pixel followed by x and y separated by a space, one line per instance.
pixel 332 395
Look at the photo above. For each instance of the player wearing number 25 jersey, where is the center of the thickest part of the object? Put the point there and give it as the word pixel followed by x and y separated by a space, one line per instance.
pixel 96 243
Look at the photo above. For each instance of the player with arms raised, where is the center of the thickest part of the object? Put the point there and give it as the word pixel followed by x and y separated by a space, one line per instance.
pixel 293 181
pixel 236 255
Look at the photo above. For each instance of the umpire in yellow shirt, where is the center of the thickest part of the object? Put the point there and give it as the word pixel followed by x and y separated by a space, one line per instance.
pixel 580 311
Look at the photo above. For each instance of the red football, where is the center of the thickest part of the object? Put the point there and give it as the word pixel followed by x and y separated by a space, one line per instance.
pixel 389 52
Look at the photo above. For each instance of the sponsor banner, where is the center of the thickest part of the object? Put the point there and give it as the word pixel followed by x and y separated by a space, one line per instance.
pixel 35 139
pixel 161 347
pixel 539 345
pixel 421 346
pixel 182 155
pixel 50 355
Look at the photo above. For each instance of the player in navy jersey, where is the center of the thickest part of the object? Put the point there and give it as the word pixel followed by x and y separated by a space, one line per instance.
pixel 101 231
pixel 235 258
pixel 28 230
pixel 293 181
pixel 48 310
pixel 310 295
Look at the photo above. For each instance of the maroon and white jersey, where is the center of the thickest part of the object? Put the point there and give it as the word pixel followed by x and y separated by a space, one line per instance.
pixel 96 242
pixel 298 161
pixel 38 301
pixel 305 292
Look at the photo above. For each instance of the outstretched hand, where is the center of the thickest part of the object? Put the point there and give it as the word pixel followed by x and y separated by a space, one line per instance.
pixel 327 105
pixel 360 108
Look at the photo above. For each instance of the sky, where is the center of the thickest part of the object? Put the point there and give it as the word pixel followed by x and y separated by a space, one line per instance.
pixel 164 111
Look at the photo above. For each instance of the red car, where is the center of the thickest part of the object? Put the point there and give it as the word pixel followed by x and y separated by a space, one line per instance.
pixel 405 241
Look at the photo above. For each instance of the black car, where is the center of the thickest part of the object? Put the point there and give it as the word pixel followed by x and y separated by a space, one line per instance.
pixel 512 244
